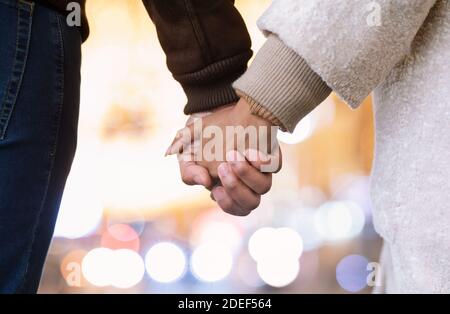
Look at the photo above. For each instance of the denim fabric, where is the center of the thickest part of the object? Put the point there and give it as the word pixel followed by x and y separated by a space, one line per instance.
pixel 39 101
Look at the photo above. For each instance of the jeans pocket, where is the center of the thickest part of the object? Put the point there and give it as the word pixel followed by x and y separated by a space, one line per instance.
pixel 15 30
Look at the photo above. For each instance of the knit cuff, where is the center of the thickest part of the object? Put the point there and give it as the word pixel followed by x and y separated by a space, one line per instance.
pixel 281 82
pixel 211 87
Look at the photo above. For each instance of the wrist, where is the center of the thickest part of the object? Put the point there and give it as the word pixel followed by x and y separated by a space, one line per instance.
pixel 244 109
pixel 260 111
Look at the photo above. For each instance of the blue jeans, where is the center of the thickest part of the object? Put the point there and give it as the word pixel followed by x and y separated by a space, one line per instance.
pixel 40 59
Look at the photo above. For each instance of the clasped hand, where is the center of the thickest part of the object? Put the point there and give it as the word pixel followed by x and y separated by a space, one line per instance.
pixel 232 153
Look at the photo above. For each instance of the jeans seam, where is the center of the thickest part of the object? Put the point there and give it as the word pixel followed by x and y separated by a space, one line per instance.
pixel 52 153
pixel 19 65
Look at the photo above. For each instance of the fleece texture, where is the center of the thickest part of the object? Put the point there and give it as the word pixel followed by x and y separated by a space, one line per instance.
pixel 400 49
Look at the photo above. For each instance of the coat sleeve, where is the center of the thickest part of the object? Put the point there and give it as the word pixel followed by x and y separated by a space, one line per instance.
pixel 207 47
pixel 351 45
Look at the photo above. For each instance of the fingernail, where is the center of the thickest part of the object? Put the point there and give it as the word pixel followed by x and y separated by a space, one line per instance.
pixel 223 170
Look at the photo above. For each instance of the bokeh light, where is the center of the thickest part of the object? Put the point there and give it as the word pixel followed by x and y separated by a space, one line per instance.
pixel 301 132
pixel 211 262
pixel 258 240
pixel 268 242
pixel 277 253
pixel 352 273
pixel 355 188
pixel 304 224
pixel 128 269
pixel 278 272
pixel 336 221
pixel 81 208
pixel 221 232
pixel 137 223
pixel 97 266
pixel 165 262
pixel 120 236
pixel 247 273
pixel 312 196
pixel 118 268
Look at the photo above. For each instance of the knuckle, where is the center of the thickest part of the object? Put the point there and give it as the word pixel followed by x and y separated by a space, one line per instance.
pixel 244 213
pixel 266 188
pixel 235 210
pixel 255 203
pixel 238 211
pixel 251 205
pixel 228 208
pixel 226 205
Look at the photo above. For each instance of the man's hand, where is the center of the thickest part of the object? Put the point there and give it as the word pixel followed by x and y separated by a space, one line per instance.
pixel 234 169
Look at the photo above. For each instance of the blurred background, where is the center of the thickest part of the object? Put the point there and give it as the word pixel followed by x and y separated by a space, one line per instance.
pixel 129 225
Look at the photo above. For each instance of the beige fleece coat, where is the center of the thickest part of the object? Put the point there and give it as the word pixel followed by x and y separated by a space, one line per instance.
pixel 400 49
